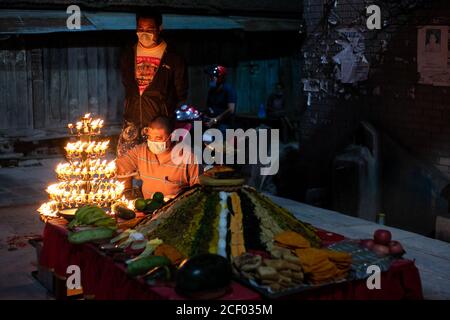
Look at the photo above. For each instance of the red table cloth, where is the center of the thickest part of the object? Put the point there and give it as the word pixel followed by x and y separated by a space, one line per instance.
pixel 106 279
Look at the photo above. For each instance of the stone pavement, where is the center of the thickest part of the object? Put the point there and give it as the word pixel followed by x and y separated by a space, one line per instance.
pixel 17 257
pixel 22 190
pixel 26 185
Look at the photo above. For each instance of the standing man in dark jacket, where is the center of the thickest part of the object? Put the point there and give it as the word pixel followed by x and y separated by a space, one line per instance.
pixel 155 80
pixel 221 100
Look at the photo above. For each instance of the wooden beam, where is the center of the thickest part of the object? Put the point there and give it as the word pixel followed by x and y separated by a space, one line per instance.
pixel 268 8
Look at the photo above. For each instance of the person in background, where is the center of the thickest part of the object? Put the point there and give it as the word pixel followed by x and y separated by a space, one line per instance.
pixel 276 109
pixel 275 102
pixel 152 162
pixel 221 100
pixel 154 77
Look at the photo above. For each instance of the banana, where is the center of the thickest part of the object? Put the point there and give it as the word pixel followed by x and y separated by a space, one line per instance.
pixel 87 212
pixel 94 215
pixel 81 212
pixel 80 216
pixel 105 222
pixel 73 223
pixel 98 220
pixel 90 215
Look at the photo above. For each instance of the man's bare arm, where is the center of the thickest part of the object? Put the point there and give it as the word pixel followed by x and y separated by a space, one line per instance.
pixel 230 109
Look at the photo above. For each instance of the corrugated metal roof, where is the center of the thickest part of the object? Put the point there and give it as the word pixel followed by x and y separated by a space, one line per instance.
pixel 47 21
pixel 266 8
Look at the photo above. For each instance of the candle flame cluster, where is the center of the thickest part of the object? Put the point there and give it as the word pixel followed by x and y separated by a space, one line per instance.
pixel 51 208
pixel 73 194
pixel 93 149
pixel 85 178
pixel 94 169
pixel 86 126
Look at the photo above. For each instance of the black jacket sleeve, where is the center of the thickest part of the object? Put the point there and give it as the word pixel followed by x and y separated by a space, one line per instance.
pixel 181 81
pixel 127 67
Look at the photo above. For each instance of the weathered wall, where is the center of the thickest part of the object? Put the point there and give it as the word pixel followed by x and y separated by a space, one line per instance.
pixel 414 116
pixel 49 80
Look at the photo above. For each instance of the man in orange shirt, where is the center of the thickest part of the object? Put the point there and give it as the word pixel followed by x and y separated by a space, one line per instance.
pixel 152 161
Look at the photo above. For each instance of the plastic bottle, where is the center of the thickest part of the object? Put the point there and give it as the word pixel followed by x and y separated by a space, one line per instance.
pixel 381 218
pixel 261 111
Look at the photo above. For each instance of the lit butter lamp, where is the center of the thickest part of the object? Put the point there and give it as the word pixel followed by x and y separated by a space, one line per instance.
pixel 86 178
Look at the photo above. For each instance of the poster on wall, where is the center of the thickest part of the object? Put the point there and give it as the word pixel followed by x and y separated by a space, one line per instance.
pixel 352 64
pixel 433 61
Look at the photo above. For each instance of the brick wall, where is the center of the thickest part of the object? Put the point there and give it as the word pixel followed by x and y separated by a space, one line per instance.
pixel 416 116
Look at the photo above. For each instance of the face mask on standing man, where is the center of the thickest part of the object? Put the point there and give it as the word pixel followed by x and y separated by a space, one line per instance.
pixel 146 39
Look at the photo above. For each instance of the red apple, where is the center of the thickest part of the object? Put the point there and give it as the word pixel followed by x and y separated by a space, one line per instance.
pixel 382 236
pixel 395 248
pixel 381 250
pixel 367 243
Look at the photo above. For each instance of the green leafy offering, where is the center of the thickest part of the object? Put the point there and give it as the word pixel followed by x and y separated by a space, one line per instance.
pixel 205 233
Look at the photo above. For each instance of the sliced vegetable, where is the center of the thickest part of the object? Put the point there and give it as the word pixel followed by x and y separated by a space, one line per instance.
pixel 124 235
pixel 149 249
pixel 133 236
pixel 141 266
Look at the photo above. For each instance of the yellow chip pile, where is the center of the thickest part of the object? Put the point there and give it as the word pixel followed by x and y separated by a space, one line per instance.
pixel 291 240
pixel 320 265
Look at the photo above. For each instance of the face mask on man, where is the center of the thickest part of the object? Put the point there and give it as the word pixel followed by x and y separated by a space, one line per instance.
pixel 147 39
pixel 157 147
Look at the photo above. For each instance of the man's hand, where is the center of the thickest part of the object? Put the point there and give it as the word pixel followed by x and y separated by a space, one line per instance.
pixel 214 121
pixel 211 122
pixel 128 194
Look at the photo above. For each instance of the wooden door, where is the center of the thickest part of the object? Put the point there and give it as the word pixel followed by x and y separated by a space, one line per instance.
pixel 15 91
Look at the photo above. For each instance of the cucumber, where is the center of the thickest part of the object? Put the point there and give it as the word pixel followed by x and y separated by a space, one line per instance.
pixel 125 213
pixel 142 265
pixel 152 206
pixel 90 235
